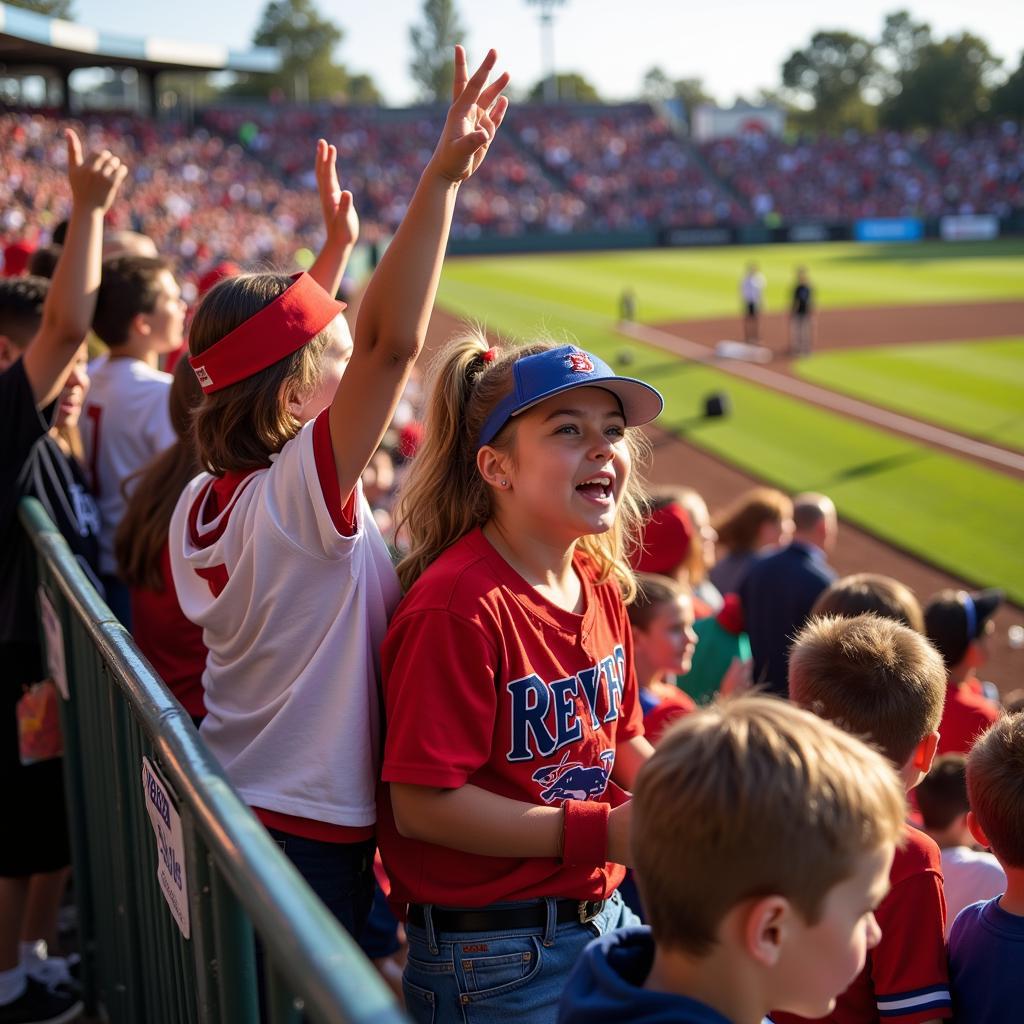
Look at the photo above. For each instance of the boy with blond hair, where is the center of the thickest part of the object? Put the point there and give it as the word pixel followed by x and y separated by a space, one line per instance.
pixel 986 943
pixel 762 839
pixel 885 683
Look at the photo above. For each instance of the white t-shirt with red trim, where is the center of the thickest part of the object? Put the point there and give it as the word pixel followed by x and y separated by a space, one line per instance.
pixel 488 683
pixel 126 422
pixel 293 593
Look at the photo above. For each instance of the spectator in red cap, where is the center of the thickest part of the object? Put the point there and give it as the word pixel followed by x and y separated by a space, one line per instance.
pixel 16 257
pixel 959 624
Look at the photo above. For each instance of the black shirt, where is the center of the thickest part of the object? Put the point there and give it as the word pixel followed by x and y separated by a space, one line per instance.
pixel 802 299
pixel 32 463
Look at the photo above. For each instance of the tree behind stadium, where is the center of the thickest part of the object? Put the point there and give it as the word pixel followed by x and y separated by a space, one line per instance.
pixel 432 66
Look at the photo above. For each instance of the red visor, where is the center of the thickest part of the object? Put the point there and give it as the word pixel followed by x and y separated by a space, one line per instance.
pixel 294 318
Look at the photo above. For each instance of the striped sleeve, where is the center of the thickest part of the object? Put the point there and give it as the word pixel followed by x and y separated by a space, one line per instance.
pixel 908 966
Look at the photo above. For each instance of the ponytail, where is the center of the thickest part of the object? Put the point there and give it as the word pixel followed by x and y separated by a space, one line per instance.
pixel 444 497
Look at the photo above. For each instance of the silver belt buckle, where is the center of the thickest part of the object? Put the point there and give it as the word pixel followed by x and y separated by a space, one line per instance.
pixel 586 916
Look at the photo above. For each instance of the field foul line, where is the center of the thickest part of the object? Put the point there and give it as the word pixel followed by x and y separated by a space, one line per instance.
pixel 829 399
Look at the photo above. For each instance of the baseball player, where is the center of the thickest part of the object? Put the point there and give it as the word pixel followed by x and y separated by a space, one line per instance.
pixel 511 699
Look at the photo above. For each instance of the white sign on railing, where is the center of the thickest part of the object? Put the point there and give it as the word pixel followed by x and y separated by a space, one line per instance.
pixel 170 844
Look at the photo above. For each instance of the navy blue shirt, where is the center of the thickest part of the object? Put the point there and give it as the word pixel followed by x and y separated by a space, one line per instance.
pixel 777 595
pixel 606 986
pixel 986 963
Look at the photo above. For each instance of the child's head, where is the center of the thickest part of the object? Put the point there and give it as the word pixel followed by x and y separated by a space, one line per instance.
pixel 665 541
pixel 139 303
pixel 765 834
pixel 875 678
pixel 21 313
pixel 866 592
pixel 269 351
pixel 760 518
pixel 942 800
pixel 534 438
pixel 661 616
pixel 995 785
pixel 958 624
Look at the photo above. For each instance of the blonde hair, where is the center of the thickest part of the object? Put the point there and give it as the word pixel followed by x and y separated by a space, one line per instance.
pixel 873 677
pixel 772 801
pixel 995 785
pixel 241 426
pixel 444 496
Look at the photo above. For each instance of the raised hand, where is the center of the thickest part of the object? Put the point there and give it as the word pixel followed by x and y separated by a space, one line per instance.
pixel 473 119
pixel 340 217
pixel 95 178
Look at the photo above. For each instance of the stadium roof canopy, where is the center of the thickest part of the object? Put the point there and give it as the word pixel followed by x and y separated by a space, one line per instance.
pixel 28 39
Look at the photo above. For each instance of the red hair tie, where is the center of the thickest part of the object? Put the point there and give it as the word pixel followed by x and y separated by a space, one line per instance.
pixel 490 355
pixel 294 318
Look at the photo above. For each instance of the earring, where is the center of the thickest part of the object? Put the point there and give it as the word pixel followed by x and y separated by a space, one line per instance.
pixel 504 483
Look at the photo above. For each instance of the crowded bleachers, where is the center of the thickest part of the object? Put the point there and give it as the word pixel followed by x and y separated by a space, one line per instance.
pixel 833 179
pixel 240 180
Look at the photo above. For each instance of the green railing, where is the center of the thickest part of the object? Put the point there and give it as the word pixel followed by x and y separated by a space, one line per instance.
pixel 133 762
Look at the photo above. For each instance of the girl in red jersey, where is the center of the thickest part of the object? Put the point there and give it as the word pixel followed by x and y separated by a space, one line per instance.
pixel 274 550
pixel 512 708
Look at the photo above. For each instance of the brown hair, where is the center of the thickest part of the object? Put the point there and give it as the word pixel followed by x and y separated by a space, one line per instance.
pixel 942 793
pixel 995 784
pixel 21 307
pixel 775 802
pixel 444 495
pixel 241 426
pixel 142 533
pixel 43 262
pixel 652 591
pixel 739 525
pixel 866 592
pixel 128 287
pixel 871 676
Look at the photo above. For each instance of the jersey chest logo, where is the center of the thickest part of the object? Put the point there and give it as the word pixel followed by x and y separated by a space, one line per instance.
pixel 572 780
pixel 547 716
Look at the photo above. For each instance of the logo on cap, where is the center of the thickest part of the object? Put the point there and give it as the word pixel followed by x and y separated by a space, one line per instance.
pixel 579 362
pixel 205 380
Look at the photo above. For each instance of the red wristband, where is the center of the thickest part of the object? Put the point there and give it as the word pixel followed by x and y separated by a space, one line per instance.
pixel 585 832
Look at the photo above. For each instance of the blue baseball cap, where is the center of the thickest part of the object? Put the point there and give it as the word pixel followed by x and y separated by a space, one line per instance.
pixel 539 376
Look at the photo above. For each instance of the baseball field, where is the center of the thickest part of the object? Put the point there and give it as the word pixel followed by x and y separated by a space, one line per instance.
pixel 910 414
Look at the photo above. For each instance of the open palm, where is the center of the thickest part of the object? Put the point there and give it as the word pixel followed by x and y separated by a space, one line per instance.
pixel 473 119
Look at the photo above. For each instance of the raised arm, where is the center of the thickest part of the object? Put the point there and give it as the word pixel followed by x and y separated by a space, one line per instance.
pixel 396 308
pixel 340 221
pixel 71 300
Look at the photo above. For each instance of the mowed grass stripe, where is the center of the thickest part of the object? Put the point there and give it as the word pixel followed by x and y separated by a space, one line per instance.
pixel 681 284
pixel 947 510
pixel 975 388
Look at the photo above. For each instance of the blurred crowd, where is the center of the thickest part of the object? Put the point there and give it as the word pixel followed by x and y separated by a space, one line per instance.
pixel 240 181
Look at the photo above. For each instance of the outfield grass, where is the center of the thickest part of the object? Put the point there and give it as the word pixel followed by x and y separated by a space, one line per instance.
pixel 973 387
pixel 947 510
pixel 681 284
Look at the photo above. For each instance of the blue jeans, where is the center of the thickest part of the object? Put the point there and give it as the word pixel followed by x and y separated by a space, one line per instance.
pixel 498 977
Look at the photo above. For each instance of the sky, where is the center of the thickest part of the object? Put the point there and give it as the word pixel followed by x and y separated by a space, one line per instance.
pixel 735 46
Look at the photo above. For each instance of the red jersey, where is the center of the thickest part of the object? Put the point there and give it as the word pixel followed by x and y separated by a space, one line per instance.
pixel 905 979
pixel 171 643
pixel 662 704
pixel 487 683
pixel 966 715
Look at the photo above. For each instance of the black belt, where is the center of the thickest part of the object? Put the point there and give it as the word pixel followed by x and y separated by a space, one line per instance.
pixel 487 919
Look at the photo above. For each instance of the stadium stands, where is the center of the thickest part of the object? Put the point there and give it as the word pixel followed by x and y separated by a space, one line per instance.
pixel 240 182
